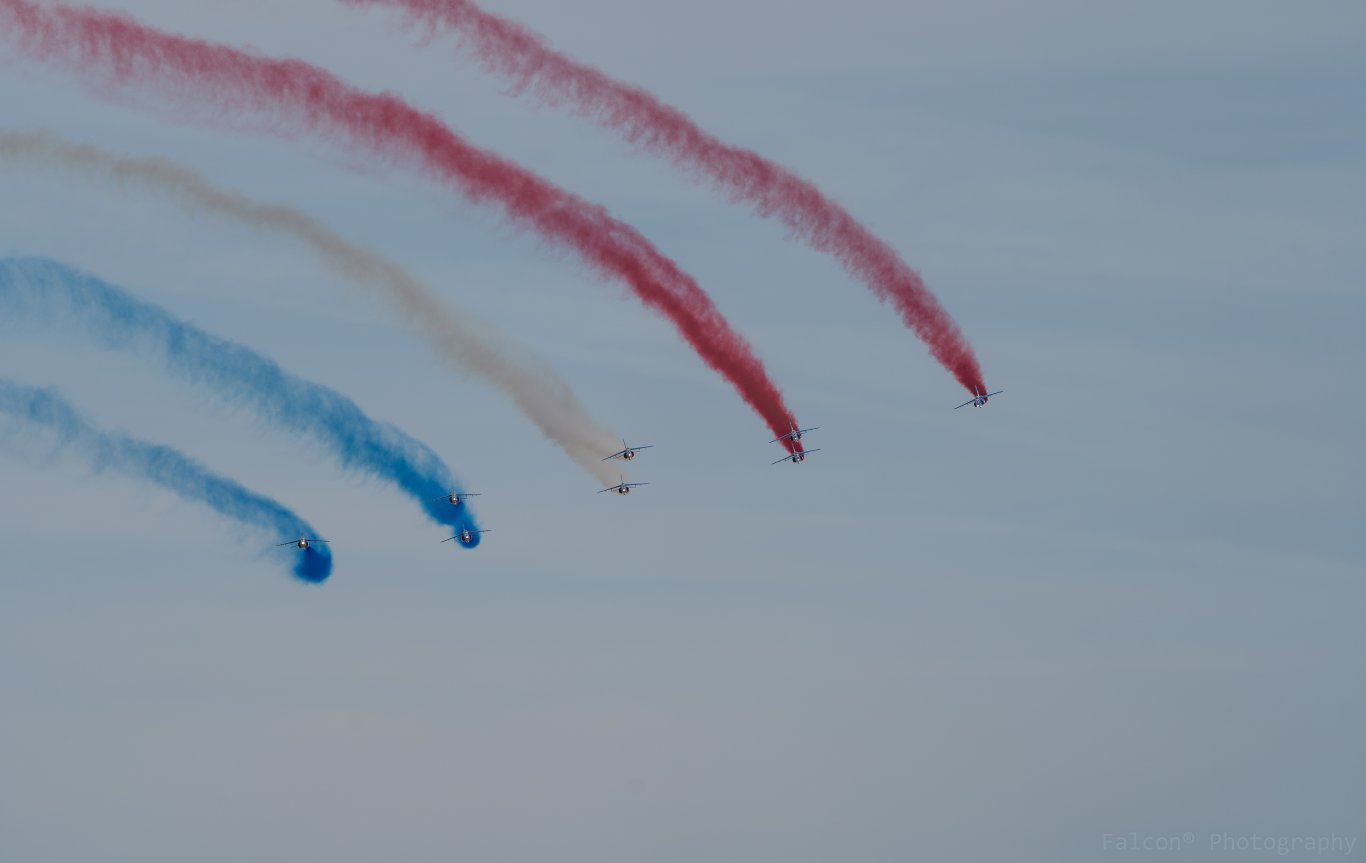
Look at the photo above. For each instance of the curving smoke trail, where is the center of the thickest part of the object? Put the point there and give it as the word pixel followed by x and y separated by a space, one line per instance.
pixel 506 48
pixel 290 96
pixel 166 467
pixel 35 289
pixel 460 341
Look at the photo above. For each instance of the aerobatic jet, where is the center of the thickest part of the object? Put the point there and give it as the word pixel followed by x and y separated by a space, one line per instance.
pixel 797 457
pixel 623 487
pixel 456 498
pixel 627 453
pixel 794 435
pixel 980 399
pixel 465 536
pixel 301 542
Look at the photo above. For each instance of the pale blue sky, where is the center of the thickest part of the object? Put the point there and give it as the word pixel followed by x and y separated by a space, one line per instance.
pixel 1126 597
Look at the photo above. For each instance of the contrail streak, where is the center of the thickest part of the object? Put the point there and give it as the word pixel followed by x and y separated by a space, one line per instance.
pixel 290 96
pixel 506 48
pixel 43 291
pixel 460 341
pixel 167 467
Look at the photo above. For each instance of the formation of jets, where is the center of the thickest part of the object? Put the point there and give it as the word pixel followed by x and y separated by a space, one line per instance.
pixel 628 453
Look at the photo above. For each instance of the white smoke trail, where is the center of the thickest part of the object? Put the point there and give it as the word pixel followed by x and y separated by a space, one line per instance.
pixel 458 339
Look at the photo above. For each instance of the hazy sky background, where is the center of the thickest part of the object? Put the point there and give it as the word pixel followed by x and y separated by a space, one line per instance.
pixel 1125 597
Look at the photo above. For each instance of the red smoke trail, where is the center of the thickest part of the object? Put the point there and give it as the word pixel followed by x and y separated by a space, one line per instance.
pixel 296 95
pixel 507 48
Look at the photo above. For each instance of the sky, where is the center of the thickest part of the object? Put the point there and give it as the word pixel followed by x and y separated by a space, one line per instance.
pixel 1124 599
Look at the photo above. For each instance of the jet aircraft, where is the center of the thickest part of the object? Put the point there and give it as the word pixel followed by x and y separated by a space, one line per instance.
pixel 980 399
pixel 797 457
pixel 465 536
pixel 456 498
pixel 627 453
pixel 301 542
pixel 794 435
pixel 623 487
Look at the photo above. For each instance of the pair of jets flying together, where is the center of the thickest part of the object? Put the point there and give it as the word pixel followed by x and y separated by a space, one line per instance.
pixel 795 435
pixel 465 536
pixel 626 453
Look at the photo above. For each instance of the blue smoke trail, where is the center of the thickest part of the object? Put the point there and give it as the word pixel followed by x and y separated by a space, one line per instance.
pixel 50 292
pixel 166 467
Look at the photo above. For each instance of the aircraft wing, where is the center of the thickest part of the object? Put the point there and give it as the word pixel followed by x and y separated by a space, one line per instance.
pixel 966 403
pixel 616 455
